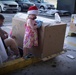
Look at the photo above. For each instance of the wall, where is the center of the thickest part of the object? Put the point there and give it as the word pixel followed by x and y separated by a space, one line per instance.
pixel 68 5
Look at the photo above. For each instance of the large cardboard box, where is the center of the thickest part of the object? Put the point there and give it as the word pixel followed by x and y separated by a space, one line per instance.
pixel 51 40
pixel 18 28
pixel 51 36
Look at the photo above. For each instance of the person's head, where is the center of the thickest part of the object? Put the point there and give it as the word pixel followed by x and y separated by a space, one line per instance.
pixel 1 19
pixel 32 16
pixel 32 12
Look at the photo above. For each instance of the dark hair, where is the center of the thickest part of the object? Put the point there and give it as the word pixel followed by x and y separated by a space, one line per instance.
pixel 2 17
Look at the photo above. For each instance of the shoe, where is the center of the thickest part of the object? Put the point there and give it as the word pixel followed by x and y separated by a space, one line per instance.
pixel 17 57
pixel 28 56
pixel 12 57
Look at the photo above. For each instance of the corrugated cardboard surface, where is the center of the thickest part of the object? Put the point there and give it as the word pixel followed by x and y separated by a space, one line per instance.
pixel 73 24
pixel 18 30
pixel 51 40
pixel 51 37
pixel 73 27
pixel 54 39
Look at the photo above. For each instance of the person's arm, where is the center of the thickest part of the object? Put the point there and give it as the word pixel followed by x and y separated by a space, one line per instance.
pixel 3 34
pixel 35 26
pixel 30 23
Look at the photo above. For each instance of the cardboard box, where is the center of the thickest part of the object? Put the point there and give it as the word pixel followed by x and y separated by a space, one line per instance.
pixel 51 36
pixel 72 28
pixel 73 18
pixel 18 28
pixel 51 40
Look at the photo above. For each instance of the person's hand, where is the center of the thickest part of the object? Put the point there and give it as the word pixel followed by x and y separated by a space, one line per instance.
pixel 13 37
pixel 5 36
pixel 35 27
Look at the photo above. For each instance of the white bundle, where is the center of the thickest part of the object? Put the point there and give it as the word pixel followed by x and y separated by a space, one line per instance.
pixel 3 54
pixel 57 18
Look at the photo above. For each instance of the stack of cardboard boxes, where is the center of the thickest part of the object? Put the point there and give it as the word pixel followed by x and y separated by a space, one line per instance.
pixel 51 35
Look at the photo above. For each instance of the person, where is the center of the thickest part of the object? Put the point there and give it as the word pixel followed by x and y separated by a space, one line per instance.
pixel 8 42
pixel 30 36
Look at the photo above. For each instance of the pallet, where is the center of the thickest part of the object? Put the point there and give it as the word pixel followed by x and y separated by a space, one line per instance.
pixel 72 34
pixel 20 63
pixel 52 56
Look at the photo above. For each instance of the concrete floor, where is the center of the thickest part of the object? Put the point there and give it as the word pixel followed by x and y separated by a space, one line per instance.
pixel 59 65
